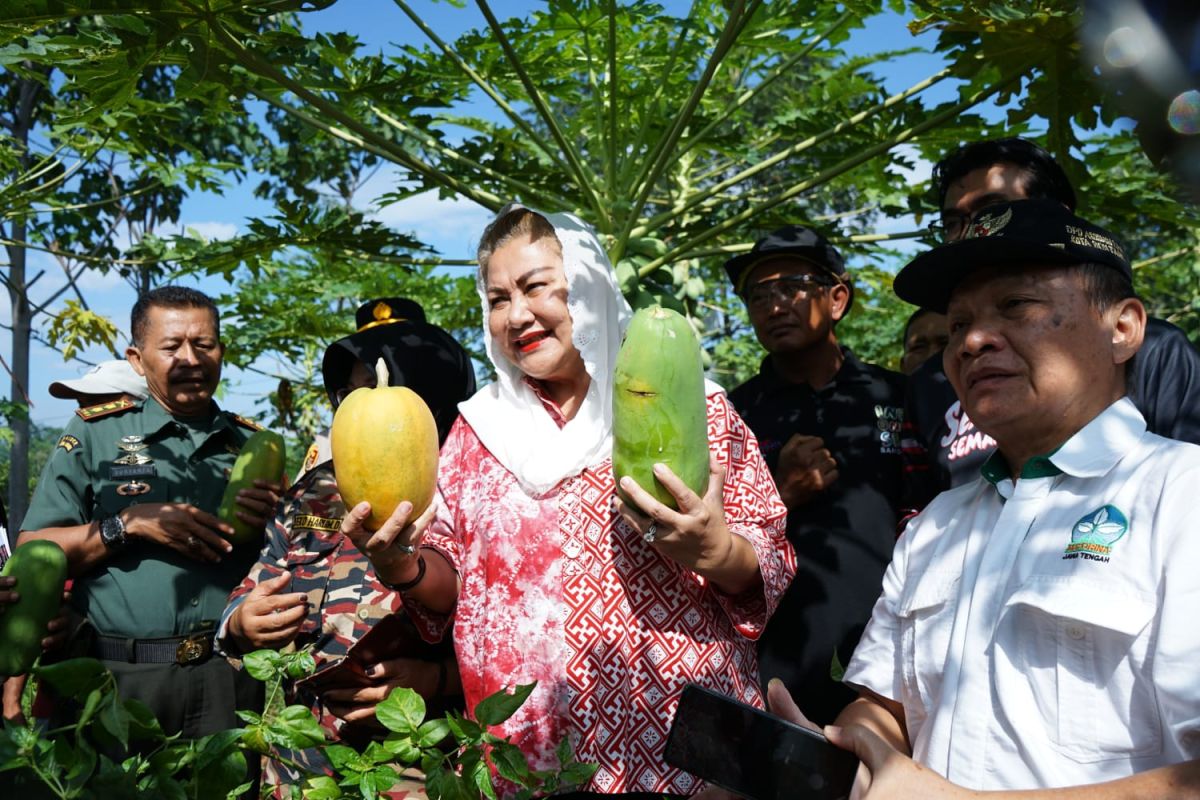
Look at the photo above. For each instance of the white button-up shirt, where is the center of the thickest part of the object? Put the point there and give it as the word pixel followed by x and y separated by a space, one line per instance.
pixel 1045 632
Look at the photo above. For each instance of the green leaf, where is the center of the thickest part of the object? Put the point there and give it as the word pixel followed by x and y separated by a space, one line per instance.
pixel 836 670
pixel 321 787
pixel 577 774
pixel 222 775
pixel 432 732
pixel 90 707
pixel 115 719
pixel 481 776
pixel 142 722
pixel 402 749
pixel 74 677
pixel 216 746
pixel 297 665
pixel 510 763
pixel 465 731
pixel 401 711
pixel 263 665
pixel 340 755
pixel 297 728
pixel 497 708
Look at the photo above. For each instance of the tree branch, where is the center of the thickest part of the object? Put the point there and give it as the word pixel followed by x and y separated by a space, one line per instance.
pixel 534 136
pixel 655 169
pixel 586 181
pixel 826 175
pixel 812 141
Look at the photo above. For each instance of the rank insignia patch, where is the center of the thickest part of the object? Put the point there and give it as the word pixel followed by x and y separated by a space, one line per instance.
pixel 68 443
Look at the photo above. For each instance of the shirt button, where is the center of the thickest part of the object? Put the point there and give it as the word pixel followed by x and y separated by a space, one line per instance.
pixel 1076 631
pixel 363 613
pixel 195 601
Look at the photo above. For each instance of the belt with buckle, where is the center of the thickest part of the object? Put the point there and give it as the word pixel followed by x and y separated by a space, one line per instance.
pixel 167 650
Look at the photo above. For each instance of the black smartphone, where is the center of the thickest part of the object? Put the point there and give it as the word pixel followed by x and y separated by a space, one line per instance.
pixel 755 754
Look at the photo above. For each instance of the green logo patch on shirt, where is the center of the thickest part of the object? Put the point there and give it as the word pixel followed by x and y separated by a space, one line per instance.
pixel 1095 533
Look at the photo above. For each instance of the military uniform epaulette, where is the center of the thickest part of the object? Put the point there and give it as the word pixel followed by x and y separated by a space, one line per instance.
pixel 244 422
pixel 93 413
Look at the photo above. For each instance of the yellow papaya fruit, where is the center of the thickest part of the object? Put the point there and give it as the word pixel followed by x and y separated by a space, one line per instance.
pixel 262 457
pixel 659 409
pixel 385 449
pixel 40 567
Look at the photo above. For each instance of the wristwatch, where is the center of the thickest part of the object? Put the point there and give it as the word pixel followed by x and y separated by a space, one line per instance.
pixel 112 533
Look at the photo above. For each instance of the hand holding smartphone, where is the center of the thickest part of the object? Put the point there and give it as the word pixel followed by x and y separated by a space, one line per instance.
pixel 755 754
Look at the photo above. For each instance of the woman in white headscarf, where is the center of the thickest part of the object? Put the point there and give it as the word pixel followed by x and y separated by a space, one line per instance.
pixel 548 577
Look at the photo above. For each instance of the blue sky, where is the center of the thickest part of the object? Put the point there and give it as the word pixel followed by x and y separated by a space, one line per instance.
pixel 450 226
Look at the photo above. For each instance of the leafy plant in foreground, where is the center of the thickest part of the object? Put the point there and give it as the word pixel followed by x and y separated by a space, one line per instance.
pixel 115 748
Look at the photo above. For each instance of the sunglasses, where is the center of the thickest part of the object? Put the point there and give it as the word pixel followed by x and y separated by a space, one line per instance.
pixel 788 289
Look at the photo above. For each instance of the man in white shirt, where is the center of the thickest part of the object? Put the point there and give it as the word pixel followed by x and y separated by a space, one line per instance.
pixel 1037 627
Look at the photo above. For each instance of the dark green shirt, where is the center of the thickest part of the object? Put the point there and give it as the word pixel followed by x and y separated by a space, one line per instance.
pixel 148 590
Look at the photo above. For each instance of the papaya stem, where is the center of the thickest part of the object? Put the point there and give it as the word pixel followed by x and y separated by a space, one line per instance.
pixel 381 373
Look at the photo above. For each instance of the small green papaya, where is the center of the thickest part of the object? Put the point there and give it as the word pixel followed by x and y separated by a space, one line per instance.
pixel 659 411
pixel 40 567
pixel 263 457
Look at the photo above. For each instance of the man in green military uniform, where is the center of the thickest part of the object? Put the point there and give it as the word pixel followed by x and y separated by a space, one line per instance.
pixel 130 494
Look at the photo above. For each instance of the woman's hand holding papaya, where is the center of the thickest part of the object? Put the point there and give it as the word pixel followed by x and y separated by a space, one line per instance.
pixel 696 535
pixel 392 549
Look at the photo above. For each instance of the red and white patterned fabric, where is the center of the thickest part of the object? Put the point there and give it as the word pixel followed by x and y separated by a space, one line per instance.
pixel 558 589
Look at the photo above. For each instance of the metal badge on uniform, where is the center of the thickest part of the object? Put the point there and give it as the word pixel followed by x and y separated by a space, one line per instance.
pixel 133 464
pixel 132 446
pixel 133 488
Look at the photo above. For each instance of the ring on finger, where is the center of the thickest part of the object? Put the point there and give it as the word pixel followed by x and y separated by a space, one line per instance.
pixel 651 533
pixel 192 541
pixel 406 549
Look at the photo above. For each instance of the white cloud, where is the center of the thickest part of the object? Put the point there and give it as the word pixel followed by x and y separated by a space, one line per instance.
pixel 212 231
pixel 451 226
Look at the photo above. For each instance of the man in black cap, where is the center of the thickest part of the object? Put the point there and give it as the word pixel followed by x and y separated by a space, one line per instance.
pixel 829 428
pixel 1036 629
pixel 1165 377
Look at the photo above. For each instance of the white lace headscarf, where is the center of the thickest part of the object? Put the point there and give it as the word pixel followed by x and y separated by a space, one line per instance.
pixel 509 418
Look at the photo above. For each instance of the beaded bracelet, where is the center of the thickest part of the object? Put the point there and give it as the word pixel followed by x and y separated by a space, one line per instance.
pixel 407 585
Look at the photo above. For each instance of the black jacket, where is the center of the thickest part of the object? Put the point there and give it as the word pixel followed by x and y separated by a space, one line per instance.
pixel 843 538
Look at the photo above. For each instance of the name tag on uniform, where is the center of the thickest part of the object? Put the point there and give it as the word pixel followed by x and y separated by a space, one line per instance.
pixel 117 472
pixel 316 523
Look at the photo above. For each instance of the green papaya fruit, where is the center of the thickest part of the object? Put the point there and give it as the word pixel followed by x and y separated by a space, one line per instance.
pixel 40 567
pixel 262 457
pixel 658 404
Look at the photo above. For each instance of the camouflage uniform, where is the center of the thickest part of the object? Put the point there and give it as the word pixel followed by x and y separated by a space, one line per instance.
pixel 345 600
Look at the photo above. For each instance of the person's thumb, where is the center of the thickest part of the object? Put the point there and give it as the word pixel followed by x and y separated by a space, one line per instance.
pixel 781 704
pixel 871 750
pixel 276 584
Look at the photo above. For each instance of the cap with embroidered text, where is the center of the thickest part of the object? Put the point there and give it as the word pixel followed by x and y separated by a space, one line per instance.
pixel 1020 233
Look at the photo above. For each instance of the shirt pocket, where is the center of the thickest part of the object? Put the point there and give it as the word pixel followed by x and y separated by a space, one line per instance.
pixel 1083 651
pixel 311 569
pixel 926 616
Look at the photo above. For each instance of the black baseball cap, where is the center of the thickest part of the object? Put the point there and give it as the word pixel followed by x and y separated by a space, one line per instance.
pixel 418 354
pixel 794 240
pixel 1015 234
